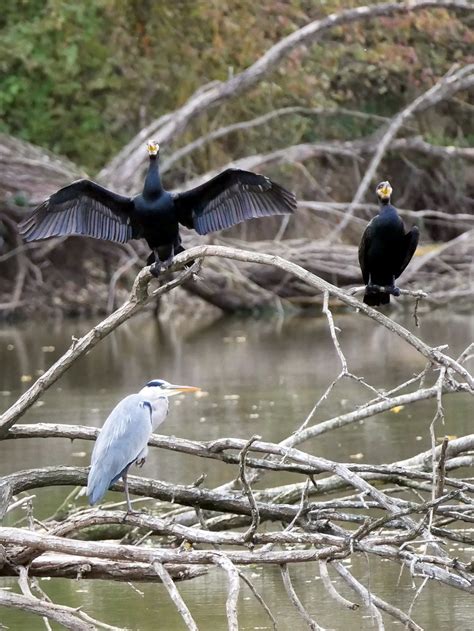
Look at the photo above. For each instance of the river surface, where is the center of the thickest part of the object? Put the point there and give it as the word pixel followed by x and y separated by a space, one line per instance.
pixel 261 377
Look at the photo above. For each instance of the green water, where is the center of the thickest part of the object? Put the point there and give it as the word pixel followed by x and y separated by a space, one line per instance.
pixel 261 377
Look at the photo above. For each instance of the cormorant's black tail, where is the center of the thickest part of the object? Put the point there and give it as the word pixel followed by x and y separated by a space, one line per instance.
pixel 376 298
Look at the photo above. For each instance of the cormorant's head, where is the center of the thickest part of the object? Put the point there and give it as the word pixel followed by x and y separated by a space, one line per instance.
pixel 384 191
pixel 160 388
pixel 153 148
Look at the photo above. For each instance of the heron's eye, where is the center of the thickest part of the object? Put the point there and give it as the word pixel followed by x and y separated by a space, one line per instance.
pixel 156 383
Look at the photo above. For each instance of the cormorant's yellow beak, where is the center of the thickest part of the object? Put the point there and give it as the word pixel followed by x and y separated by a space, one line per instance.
pixel 171 390
pixel 386 190
pixel 152 147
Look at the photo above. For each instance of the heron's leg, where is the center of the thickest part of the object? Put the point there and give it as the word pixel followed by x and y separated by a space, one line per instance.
pixel 127 495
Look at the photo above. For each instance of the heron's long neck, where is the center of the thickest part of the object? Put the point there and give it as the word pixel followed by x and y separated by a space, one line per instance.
pixel 152 187
pixel 159 411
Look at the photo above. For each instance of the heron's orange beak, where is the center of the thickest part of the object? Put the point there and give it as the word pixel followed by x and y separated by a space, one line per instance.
pixel 172 389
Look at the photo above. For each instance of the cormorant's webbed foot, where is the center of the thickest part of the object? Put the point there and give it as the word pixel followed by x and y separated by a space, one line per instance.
pixel 169 261
pixel 157 266
pixel 155 269
pixel 394 290
pixel 372 289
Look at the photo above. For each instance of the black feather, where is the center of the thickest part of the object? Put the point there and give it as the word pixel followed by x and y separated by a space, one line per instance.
pixel 82 208
pixel 229 198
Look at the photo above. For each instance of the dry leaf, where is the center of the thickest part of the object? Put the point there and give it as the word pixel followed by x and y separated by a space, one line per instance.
pixel 397 409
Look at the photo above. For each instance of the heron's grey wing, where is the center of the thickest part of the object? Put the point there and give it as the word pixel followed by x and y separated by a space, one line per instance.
pixel 124 435
pixel 363 251
pixel 411 243
pixel 230 198
pixel 82 208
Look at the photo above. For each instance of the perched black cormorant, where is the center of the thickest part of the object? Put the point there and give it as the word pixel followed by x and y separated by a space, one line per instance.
pixel 385 250
pixel 86 208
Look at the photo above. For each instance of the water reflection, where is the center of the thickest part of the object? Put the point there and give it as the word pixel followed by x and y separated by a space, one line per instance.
pixel 261 377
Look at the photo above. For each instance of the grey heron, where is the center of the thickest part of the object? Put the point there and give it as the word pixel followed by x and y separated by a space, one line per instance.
pixel 124 437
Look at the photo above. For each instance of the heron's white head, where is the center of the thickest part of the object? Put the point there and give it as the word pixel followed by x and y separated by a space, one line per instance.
pixel 153 148
pixel 159 388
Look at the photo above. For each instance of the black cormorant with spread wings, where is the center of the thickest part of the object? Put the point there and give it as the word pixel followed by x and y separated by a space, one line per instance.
pixel 86 208
pixel 385 250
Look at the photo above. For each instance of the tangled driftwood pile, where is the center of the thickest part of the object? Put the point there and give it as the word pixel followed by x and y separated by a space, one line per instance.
pixel 408 512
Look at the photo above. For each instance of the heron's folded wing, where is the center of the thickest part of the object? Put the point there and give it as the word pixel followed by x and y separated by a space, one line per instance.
pixel 411 243
pixel 82 208
pixel 124 435
pixel 230 198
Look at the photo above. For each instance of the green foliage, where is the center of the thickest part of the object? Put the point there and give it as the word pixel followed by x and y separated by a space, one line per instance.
pixel 81 78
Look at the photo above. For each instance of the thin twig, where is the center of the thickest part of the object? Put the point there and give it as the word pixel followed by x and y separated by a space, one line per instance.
pixel 248 490
pixel 332 591
pixel 441 468
pixel 175 596
pixel 312 624
pixel 259 598
pixel 234 586
pixel 363 592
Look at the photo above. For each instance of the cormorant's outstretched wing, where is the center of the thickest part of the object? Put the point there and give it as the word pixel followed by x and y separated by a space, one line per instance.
pixel 363 249
pixel 411 243
pixel 229 198
pixel 83 208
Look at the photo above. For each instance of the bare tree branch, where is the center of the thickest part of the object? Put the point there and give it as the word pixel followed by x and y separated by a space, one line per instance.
pixel 290 590
pixel 363 592
pixel 248 490
pixel 125 165
pixel 447 86
pixel 65 616
pixel 323 572
pixel 175 596
pixel 226 564
pixel 179 154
